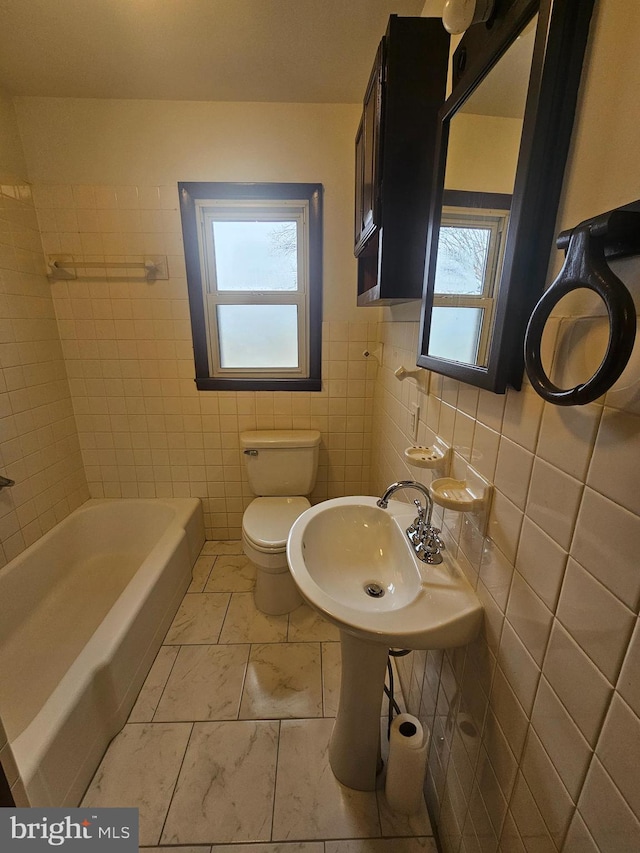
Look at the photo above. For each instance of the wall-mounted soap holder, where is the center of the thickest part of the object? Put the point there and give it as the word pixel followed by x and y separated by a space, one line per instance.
pixel 473 494
pixel 436 456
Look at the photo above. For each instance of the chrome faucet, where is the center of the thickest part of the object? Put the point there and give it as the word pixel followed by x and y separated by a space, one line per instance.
pixel 5 482
pixel 424 538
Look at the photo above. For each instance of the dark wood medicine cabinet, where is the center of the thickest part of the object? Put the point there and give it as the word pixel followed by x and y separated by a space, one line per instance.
pixel 395 150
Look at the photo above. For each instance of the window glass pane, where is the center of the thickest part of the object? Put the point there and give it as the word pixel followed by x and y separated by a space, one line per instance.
pixel 256 255
pixel 455 333
pixel 258 336
pixel 462 260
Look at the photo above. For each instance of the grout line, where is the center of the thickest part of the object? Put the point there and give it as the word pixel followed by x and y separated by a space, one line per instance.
pixel 175 784
pixel 324 708
pixel 164 687
pixel 213 564
pixel 244 681
pixel 275 780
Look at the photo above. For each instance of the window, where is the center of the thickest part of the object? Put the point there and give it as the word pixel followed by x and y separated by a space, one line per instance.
pixel 468 265
pixel 254 273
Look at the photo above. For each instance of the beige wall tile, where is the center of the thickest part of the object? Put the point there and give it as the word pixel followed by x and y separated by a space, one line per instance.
pixel 619 750
pixel 541 562
pixel 561 738
pixel 573 677
pixel 551 796
pixel 554 498
pixel 613 558
pixel 566 437
pixel 596 619
pixel 629 681
pixel 610 472
pixel 606 814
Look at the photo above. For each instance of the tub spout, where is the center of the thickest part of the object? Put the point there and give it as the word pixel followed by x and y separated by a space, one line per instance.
pixel 5 482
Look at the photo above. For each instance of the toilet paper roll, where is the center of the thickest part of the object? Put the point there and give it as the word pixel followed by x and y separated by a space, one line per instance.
pixel 408 745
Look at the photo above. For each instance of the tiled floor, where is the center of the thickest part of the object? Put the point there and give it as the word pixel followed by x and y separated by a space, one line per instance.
pixel 226 747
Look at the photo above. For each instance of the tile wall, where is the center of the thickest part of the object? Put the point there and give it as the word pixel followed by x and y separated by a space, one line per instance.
pixel 536 725
pixel 144 428
pixel 39 446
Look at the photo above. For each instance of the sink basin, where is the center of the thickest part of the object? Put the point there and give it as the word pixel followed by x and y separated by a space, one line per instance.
pixel 352 561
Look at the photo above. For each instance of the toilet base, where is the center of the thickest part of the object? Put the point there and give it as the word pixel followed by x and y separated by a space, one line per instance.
pixel 276 594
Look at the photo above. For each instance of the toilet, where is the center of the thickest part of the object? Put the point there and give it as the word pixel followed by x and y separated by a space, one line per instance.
pixel 281 468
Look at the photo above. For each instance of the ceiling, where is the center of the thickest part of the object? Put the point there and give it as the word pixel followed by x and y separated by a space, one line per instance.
pixel 220 50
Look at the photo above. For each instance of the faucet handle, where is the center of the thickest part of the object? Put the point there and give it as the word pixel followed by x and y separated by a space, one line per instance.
pixel 432 540
pixel 421 510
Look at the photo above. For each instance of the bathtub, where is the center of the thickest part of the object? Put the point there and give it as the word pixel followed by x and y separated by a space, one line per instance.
pixel 83 612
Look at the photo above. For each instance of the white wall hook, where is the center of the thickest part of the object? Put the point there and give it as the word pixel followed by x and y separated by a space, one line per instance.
pixel 375 353
pixel 402 373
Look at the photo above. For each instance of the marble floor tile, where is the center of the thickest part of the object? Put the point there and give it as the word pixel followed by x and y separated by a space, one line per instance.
pixel 382 845
pixel 205 684
pixel 286 847
pixel 199 618
pixel 149 696
pixel 244 623
pixel 200 573
pixel 225 790
pixel 393 823
pixel 232 573
pixel 139 770
pixel 310 802
pixel 226 793
pixel 283 681
pixel 307 625
pixel 331 672
pixel 221 546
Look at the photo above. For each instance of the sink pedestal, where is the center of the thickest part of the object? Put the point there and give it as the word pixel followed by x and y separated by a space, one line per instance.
pixel 354 750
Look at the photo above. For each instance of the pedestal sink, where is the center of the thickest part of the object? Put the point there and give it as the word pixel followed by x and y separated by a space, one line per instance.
pixel 353 563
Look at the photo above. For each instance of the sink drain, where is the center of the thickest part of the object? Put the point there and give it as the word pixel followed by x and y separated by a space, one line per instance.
pixel 374 590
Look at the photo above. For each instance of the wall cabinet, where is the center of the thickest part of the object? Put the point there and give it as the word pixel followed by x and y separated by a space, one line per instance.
pixel 367 157
pixel 395 147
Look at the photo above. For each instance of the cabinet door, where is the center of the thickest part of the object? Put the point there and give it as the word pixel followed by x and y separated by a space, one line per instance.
pixel 368 156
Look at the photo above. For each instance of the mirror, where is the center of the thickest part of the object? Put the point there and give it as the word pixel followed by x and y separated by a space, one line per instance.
pixel 504 136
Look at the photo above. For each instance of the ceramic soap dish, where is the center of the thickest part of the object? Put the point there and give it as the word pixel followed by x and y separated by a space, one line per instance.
pixel 436 455
pixel 472 494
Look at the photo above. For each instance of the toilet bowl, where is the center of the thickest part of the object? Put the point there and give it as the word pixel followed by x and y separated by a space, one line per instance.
pixel 281 468
pixel 265 529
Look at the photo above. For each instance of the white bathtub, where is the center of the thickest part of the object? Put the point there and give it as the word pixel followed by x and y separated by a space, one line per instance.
pixel 83 612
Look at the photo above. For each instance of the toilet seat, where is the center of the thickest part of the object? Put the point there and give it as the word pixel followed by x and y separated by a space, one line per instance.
pixel 267 521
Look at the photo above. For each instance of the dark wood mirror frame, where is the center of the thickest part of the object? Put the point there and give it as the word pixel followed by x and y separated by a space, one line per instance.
pixel 560 42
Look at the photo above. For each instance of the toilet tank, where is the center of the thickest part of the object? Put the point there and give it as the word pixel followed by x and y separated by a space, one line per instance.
pixel 282 461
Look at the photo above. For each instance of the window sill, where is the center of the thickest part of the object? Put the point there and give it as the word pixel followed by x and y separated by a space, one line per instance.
pixel 206 383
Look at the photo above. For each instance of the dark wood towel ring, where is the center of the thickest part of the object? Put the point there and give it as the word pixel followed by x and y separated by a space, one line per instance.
pixel 614 234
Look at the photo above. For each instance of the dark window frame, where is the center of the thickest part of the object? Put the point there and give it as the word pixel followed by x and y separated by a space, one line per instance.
pixel 191 192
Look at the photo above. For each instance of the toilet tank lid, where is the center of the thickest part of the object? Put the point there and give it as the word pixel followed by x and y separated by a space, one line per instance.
pixel 280 438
